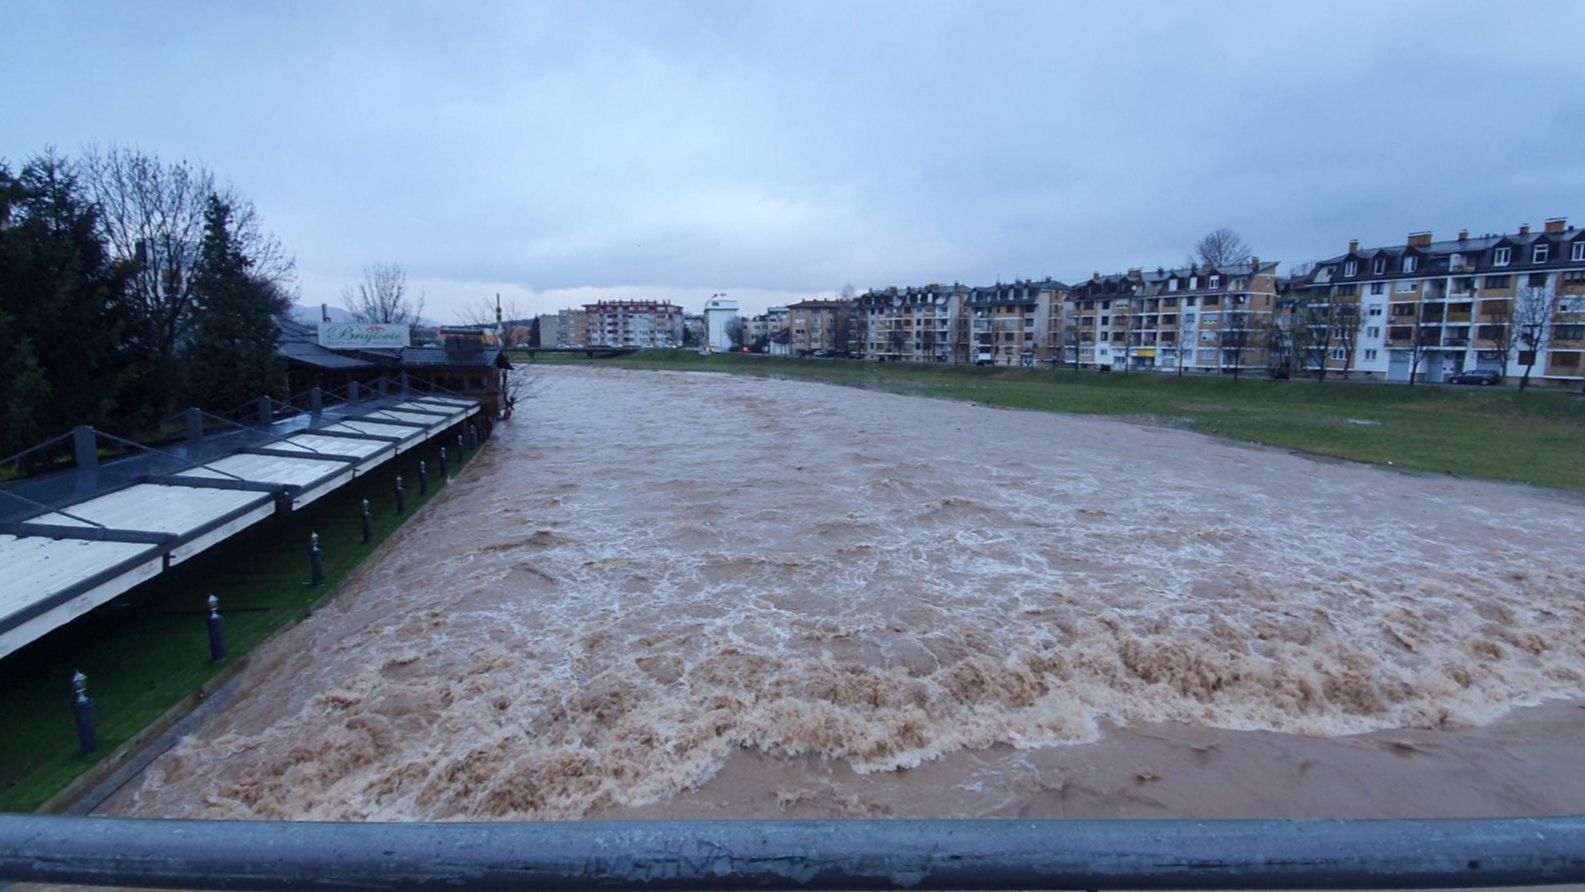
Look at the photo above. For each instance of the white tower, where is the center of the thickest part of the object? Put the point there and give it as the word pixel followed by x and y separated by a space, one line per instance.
pixel 718 311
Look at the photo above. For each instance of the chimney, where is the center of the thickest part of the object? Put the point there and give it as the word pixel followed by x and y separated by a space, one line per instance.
pixel 1135 272
pixel 1420 239
pixel 1463 235
pixel 1524 230
pixel 497 309
pixel 1096 277
pixel 1254 264
pixel 324 312
pixel 1556 225
pixel 1208 267
pixel 1353 246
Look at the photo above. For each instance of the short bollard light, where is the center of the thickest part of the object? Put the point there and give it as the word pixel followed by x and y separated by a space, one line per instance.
pixel 368 524
pixel 83 710
pixel 217 632
pixel 401 496
pixel 445 474
pixel 473 437
pixel 316 561
pixel 462 447
pixel 423 478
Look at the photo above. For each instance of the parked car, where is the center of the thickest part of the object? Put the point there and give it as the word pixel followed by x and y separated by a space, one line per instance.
pixel 1484 377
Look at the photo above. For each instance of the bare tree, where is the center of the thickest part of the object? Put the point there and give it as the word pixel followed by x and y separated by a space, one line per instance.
pixel 1497 326
pixel 1534 311
pixel 1222 247
pixel 1236 339
pixel 152 213
pixel 1421 339
pixel 735 332
pixel 382 296
pixel 1347 321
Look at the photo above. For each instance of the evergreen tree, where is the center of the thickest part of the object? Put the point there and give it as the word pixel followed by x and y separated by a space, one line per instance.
pixel 232 357
pixel 61 299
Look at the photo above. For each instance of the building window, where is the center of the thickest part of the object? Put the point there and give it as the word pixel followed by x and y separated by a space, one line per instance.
pixel 1350 268
pixel 1378 287
pixel 1409 263
pixel 1172 285
pixel 1339 354
pixel 1373 331
pixel 1497 282
pixel 1579 252
pixel 1215 282
pixel 1375 310
pixel 1536 280
pixel 1370 355
pixel 1501 256
pixel 1380 266
pixel 1540 253
pixel 1212 318
pixel 1407 287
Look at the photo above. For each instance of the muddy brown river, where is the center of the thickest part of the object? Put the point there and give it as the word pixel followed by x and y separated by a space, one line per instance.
pixel 670 594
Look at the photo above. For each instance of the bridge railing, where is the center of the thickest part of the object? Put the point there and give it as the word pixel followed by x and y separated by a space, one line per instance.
pixel 806 855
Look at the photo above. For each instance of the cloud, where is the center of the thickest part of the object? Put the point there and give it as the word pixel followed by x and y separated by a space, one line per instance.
pixel 790 148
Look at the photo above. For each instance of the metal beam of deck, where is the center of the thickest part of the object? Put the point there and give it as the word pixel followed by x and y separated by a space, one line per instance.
pixel 802 855
pixel 70 558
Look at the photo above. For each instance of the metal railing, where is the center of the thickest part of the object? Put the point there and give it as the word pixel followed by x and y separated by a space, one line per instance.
pixel 809 855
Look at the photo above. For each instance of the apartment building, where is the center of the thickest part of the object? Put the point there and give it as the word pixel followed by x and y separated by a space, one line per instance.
pixel 1429 309
pixel 925 324
pixel 1205 318
pixel 818 326
pixel 572 328
pixel 1011 324
pixel 633 323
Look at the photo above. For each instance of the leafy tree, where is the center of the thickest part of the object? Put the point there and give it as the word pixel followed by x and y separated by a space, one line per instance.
pixel 232 358
pixel 61 299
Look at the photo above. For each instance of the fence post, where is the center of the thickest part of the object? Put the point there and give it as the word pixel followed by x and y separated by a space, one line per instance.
pixel 368 524
pixel 401 496
pixel 83 711
pixel 266 413
pixel 217 634
pixel 316 401
pixel 423 478
pixel 195 426
pixel 444 473
pixel 316 561
pixel 353 391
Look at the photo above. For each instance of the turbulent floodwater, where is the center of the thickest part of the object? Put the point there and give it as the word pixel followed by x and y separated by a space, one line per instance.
pixel 704 593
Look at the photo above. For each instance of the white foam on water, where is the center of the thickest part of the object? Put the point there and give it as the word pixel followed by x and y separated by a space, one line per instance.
pixel 649 572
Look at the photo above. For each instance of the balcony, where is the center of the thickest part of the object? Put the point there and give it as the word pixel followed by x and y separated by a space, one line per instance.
pixel 1455 342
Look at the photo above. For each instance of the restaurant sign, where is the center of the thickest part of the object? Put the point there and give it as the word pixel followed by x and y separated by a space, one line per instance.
pixel 356 336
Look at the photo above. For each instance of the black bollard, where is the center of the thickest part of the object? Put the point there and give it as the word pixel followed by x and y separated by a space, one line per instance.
pixel 401 497
pixel 217 632
pixel 423 478
pixel 462 448
pixel 368 524
pixel 473 437
pixel 83 709
pixel 444 474
pixel 316 560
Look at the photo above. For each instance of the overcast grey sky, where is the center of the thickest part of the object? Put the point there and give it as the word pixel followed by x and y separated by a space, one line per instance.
pixel 558 153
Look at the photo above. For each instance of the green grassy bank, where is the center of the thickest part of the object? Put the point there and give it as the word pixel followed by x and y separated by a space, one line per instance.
pixel 148 650
pixel 1533 437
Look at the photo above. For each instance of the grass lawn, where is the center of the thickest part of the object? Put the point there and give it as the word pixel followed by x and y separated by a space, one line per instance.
pixel 1533 437
pixel 147 650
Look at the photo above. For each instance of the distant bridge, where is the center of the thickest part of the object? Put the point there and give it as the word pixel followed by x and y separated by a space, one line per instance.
pixel 590 352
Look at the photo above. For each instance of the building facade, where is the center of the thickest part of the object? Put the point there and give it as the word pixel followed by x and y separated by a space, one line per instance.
pixel 719 311
pixel 1430 309
pixel 823 327
pixel 633 323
